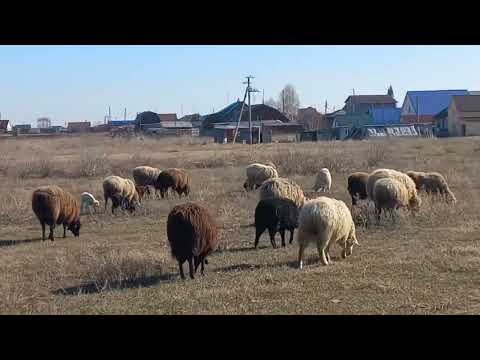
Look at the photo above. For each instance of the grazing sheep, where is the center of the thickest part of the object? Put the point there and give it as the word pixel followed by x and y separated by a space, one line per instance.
pixel 122 192
pixel 142 191
pixel 176 179
pixel 414 199
pixel 54 206
pixel 88 201
pixel 389 194
pixel 145 175
pixel 282 188
pixel 323 181
pixel 275 215
pixel 432 183
pixel 325 221
pixel 192 234
pixel 357 186
pixel 257 174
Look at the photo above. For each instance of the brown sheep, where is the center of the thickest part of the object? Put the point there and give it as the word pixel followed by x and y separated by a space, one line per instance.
pixel 122 192
pixel 142 191
pixel 54 206
pixel 192 234
pixel 176 179
pixel 357 186
pixel 432 183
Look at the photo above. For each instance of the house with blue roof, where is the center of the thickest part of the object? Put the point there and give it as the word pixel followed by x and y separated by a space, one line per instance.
pixel 422 106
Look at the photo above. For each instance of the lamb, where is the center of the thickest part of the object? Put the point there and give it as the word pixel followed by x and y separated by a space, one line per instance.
pixel 323 181
pixel 325 221
pixel 176 179
pixel 122 192
pixel 257 174
pixel 54 206
pixel 88 201
pixel 192 235
pixel 389 194
pixel 282 188
pixel 275 215
pixel 432 183
pixel 357 186
pixel 145 175
pixel 414 199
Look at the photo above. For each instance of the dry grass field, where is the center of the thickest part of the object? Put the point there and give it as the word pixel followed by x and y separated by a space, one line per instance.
pixel 422 264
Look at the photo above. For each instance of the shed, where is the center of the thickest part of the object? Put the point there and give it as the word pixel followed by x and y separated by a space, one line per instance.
pixel 5 126
pixel 78 127
pixel 464 115
pixel 280 132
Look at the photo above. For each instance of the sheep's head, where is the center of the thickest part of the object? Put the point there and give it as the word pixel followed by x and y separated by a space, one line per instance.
pixel 75 228
pixel 415 202
pixel 352 240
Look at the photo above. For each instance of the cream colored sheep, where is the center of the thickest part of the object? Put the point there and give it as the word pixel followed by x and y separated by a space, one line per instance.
pixel 389 194
pixel 323 182
pixel 325 221
pixel 145 175
pixel 432 183
pixel 414 199
pixel 121 191
pixel 282 188
pixel 257 174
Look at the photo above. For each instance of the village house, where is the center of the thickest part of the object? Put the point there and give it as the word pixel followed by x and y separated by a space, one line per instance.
pixel 463 117
pixel 361 104
pixel 422 106
pixel 311 119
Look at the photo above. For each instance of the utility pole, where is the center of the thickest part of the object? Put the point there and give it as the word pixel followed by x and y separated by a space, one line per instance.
pixel 263 96
pixel 248 90
pixel 125 114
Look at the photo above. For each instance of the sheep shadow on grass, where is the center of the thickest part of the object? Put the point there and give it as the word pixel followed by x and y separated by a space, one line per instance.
pixel 94 288
pixel 5 243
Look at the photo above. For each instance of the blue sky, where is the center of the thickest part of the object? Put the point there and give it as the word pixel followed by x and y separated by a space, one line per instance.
pixel 76 83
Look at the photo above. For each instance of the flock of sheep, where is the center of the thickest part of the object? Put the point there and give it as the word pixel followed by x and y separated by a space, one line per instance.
pixel 193 233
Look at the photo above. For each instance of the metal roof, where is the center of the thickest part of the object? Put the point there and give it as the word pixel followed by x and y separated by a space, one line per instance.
pixel 432 102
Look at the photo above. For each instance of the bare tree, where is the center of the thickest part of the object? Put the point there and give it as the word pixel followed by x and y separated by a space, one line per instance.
pixel 289 101
pixel 271 102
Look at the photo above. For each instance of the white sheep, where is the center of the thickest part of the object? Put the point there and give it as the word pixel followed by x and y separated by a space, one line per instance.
pixel 323 181
pixel 414 199
pixel 87 201
pixel 325 221
pixel 282 188
pixel 389 194
pixel 257 174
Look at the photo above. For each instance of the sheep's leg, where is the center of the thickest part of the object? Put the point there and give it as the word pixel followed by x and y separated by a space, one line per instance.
pixel 64 230
pixel 202 268
pixel 190 267
pixel 272 237
pixel 301 250
pixel 43 231
pixel 282 235
pixel 291 235
pixel 354 201
pixel 378 212
pixel 180 267
pixel 196 262
pixel 321 247
pixel 259 232
pixel 50 236
pixel 106 201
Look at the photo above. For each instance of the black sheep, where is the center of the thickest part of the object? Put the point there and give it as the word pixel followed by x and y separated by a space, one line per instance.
pixel 275 214
pixel 357 186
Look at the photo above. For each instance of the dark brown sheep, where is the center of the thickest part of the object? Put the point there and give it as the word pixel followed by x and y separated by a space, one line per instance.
pixel 357 186
pixel 192 234
pixel 176 179
pixel 54 206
